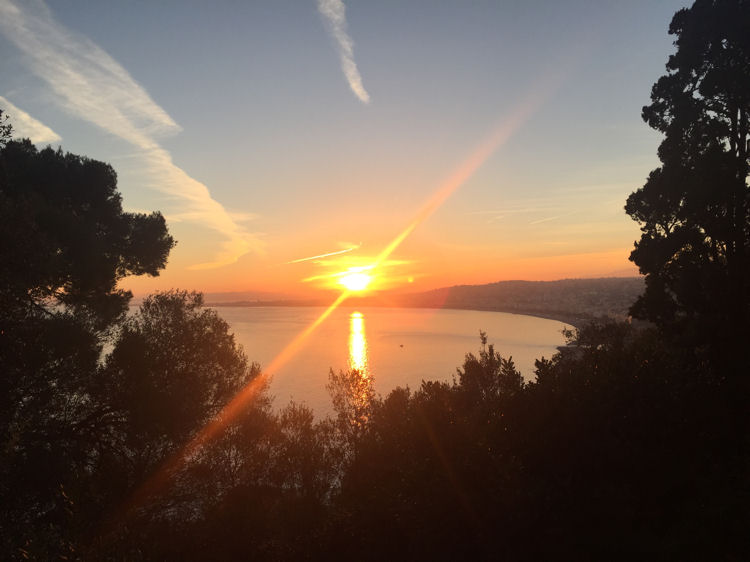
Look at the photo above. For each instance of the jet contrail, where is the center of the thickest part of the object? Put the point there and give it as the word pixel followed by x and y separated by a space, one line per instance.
pixel 323 255
pixel 334 13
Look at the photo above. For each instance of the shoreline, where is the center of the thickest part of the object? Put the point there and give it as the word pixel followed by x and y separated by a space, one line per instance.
pixel 567 318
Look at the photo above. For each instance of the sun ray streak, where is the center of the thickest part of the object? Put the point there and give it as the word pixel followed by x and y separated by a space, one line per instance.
pixel 467 168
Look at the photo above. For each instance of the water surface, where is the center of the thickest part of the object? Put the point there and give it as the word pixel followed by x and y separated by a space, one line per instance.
pixel 394 346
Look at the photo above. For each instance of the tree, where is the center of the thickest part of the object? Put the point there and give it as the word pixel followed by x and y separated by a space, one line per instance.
pixel 64 238
pixel 489 377
pixel 65 242
pixel 173 367
pixel 6 129
pixel 352 393
pixel 694 209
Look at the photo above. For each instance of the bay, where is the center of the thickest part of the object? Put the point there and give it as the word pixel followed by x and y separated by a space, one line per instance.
pixel 394 346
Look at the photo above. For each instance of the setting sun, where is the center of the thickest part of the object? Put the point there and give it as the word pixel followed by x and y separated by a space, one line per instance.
pixel 355 281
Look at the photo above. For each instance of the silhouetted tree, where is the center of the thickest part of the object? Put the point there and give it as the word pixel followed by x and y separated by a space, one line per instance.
pixel 629 453
pixel 695 208
pixel 6 129
pixel 64 237
pixel 352 394
pixel 428 469
pixel 173 366
pixel 65 242
pixel 272 476
pixel 490 376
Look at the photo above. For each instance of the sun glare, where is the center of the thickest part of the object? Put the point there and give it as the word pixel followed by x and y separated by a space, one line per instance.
pixel 355 281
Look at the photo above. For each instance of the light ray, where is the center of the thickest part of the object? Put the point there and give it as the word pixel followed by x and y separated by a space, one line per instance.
pixel 467 168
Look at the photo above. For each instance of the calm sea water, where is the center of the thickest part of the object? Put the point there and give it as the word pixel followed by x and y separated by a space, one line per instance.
pixel 396 347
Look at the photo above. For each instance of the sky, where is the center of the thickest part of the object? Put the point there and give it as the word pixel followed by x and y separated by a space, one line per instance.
pixel 293 144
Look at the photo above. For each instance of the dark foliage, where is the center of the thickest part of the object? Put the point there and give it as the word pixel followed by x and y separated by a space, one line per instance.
pixel 695 208
pixel 64 238
pixel 6 129
pixel 64 244
pixel 621 449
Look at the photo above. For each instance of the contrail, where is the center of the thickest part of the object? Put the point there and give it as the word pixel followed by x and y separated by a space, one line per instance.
pixel 89 84
pixel 334 13
pixel 323 255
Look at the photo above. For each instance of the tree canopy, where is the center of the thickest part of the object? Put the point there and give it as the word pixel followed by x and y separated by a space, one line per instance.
pixel 65 242
pixel 64 237
pixel 694 209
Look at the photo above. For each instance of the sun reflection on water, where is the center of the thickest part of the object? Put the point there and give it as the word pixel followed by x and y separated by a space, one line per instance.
pixel 357 343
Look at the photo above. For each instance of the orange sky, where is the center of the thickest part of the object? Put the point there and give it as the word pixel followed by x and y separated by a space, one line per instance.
pixel 413 253
pixel 498 142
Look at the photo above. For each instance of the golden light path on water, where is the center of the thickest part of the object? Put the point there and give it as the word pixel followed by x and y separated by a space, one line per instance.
pixel 460 175
pixel 357 343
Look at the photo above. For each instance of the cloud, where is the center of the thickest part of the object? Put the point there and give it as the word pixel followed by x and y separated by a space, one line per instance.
pixel 25 126
pixel 334 14
pixel 89 84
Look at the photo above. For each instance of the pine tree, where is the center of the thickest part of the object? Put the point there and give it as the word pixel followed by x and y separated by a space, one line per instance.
pixel 694 209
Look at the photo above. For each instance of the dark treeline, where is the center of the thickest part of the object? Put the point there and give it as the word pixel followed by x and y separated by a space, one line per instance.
pixel 630 444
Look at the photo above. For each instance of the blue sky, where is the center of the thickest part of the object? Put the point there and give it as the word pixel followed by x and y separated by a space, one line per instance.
pixel 239 122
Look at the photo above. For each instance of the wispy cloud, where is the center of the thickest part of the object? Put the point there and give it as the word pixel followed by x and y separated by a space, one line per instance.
pixel 547 219
pixel 25 126
pixel 334 14
pixel 89 84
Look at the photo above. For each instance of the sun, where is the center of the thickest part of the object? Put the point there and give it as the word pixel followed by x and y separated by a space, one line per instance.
pixel 355 281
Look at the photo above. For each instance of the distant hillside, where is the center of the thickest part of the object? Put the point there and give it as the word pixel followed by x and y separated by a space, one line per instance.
pixel 571 300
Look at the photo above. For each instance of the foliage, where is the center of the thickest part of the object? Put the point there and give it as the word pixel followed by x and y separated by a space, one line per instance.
pixel 6 129
pixel 695 208
pixel 64 238
pixel 489 376
pixel 621 448
pixel 172 368
pixel 64 244
pixel 352 394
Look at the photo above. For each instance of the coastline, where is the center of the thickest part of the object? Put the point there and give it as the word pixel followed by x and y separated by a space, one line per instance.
pixel 567 318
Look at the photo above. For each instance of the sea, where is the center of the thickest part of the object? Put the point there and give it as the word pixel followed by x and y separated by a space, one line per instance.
pixel 299 346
